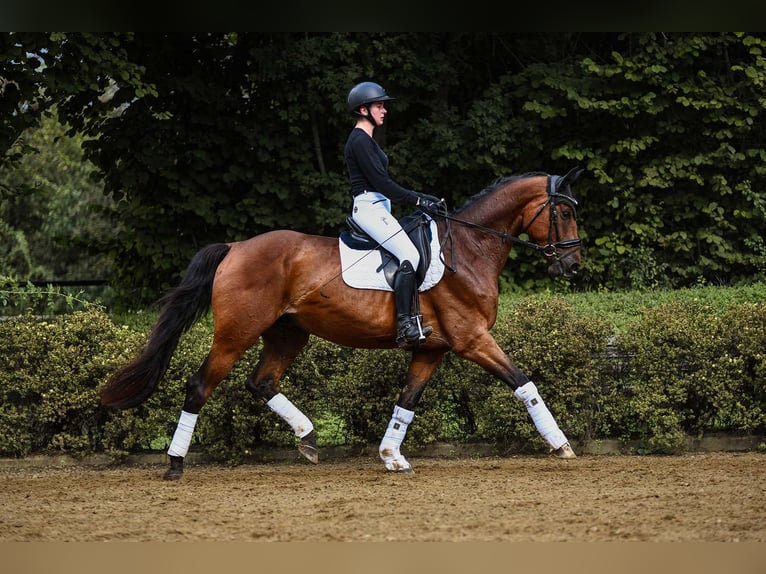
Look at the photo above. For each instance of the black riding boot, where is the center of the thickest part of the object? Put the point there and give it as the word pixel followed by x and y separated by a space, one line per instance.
pixel 405 291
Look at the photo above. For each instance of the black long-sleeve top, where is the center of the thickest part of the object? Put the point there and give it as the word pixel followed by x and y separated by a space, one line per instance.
pixel 368 169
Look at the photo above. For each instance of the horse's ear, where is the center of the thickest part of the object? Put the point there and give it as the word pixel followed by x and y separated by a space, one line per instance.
pixel 573 175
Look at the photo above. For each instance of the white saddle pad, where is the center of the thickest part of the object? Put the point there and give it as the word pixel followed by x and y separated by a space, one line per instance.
pixel 360 266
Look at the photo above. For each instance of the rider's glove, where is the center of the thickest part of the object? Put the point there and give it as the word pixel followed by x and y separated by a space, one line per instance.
pixel 432 205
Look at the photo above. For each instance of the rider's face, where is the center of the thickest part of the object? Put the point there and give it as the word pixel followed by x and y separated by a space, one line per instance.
pixel 378 112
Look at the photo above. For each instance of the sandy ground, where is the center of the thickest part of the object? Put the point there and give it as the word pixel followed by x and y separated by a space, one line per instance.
pixel 711 497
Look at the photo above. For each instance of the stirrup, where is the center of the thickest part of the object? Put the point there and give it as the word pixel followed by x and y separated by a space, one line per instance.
pixel 412 332
pixel 423 332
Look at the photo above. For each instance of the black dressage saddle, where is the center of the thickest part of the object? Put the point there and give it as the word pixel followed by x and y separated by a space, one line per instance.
pixel 418 229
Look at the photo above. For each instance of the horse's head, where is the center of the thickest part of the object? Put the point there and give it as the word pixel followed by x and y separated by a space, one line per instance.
pixel 553 226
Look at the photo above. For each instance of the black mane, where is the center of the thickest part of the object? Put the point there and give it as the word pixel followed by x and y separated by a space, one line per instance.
pixel 499 182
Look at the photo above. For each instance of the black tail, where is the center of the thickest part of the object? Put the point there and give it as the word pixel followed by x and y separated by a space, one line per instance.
pixel 181 308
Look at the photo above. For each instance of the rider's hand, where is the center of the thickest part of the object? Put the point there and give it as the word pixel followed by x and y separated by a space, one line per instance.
pixel 425 197
pixel 432 205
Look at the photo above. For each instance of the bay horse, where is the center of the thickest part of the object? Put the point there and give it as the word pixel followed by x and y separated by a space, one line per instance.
pixel 282 286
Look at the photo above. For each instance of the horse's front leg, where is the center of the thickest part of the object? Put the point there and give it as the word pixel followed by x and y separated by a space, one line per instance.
pixel 486 352
pixel 422 366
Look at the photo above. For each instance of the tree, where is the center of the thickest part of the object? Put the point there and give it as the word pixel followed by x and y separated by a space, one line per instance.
pixel 54 216
pixel 219 136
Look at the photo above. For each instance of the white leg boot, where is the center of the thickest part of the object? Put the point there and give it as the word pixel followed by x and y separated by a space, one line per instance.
pixel 299 422
pixel 179 446
pixel 544 421
pixel 392 440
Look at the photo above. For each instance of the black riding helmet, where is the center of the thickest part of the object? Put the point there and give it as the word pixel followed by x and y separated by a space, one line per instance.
pixel 364 94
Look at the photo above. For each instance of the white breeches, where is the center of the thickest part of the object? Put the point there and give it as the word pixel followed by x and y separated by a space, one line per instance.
pixel 372 211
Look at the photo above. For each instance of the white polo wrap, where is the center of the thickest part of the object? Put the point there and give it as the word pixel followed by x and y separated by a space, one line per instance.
pixel 392 440
pixel 183 435
pixel 299 422
pixel 541 416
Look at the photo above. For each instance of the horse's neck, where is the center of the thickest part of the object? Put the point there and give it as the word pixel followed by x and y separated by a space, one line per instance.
pixel 500 212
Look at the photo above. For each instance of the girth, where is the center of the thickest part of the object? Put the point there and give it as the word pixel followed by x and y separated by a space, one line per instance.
pixel 417 228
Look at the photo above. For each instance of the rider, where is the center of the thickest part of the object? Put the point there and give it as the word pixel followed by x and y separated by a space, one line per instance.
pixel 374 191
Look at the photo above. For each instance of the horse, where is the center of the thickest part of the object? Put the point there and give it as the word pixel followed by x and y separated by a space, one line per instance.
pixel 283 286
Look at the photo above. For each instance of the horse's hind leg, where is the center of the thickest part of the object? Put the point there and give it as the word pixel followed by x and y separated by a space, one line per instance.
pixel 199 387
pixel 281 344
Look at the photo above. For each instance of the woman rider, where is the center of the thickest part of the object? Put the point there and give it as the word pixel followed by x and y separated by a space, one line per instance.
pixel 374 191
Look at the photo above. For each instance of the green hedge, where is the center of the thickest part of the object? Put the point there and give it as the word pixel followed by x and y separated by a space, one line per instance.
pixel 50 380
pixel 678 368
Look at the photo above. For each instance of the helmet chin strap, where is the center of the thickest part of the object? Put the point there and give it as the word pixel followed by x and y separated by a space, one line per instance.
pixel 369 117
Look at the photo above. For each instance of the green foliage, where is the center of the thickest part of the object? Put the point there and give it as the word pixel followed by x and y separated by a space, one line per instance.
pixel 16 257
pixel 233 424
pixel 220 136
pixel 693 371
pixel 48 390
pixel 200 137
pixel 673 157
pixel 150 426
pixel 18 299
pixel 620 308
pixel 354 389
pixel 54 216
pixel 41 69
pixel 679 366
pixel 559 350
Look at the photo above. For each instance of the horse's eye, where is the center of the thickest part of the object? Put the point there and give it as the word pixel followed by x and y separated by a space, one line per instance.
pixel 566 214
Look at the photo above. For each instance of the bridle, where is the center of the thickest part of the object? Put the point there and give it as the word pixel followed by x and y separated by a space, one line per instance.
pixel 554 198
pixel 552 250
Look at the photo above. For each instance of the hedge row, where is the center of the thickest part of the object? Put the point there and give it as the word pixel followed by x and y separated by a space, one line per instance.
pixel 679 369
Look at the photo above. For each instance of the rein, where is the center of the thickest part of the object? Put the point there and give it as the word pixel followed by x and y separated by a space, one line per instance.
pixel 549 250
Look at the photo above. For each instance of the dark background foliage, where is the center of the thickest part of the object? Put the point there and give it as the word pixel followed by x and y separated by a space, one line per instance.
pixel 208 137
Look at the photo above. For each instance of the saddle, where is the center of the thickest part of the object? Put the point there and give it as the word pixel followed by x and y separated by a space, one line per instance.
pixel 418 229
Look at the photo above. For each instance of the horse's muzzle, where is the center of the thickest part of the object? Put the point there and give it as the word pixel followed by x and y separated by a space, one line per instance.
pixel 567 266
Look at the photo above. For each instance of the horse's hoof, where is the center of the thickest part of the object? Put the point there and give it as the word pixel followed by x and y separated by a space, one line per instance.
pixel 308 447
pixel 171 474
pixel 310 452
pixel 176 470
pixel 398 466
pixel 404 470
pixel 564 451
